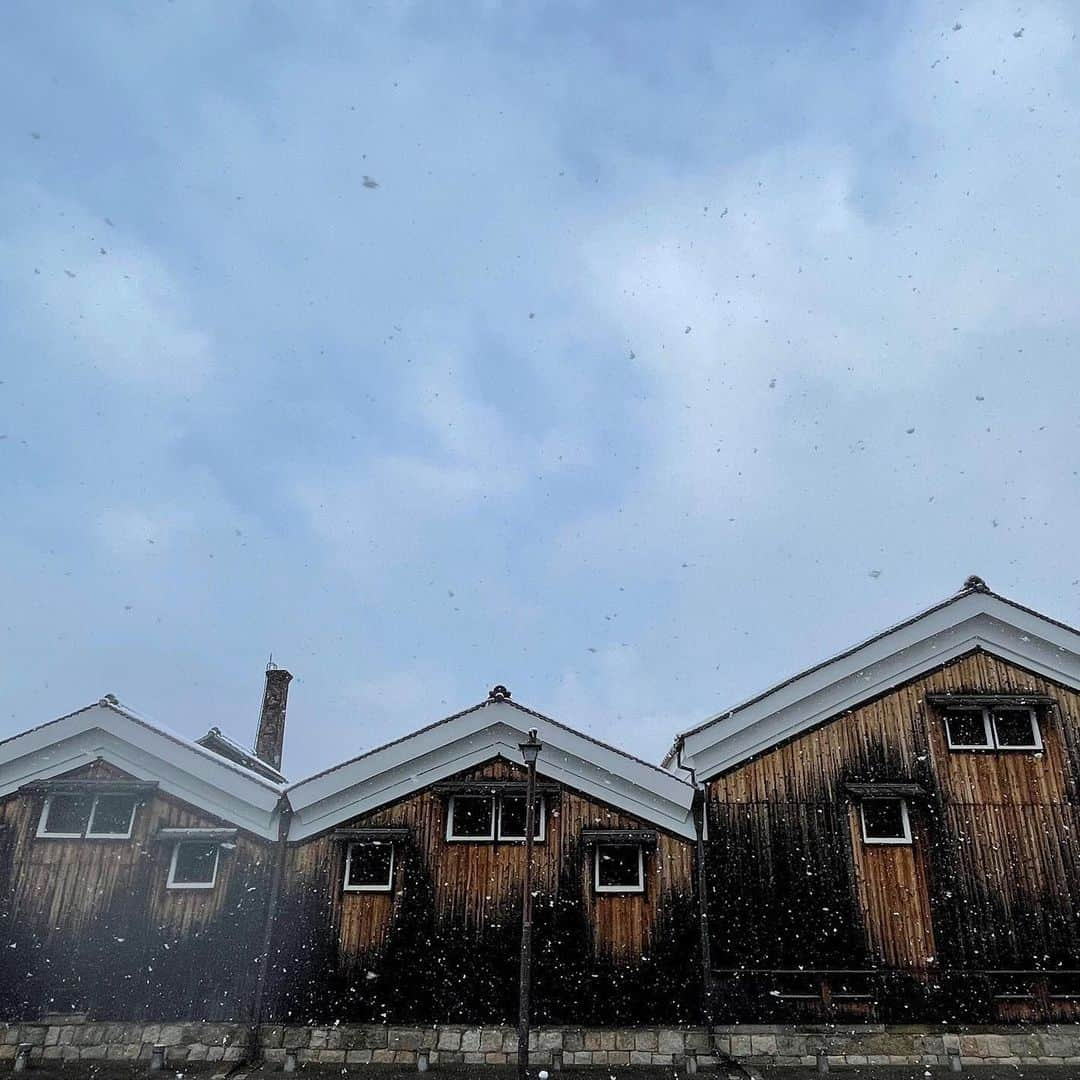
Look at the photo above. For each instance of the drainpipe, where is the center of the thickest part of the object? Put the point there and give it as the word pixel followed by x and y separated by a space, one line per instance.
pixel 698 808
pixel 277 874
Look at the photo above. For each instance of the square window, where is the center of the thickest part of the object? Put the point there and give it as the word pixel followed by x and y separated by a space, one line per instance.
pixel 470 817
pixel 112 816
pixel 620 868
pixel 194 865
pixel 885 821
pixel 967 729
pixel 65 815
pixel 512 818
pixel 369 867
pixel 1016 729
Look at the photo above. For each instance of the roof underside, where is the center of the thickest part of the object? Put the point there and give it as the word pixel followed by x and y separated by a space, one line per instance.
pixel 973 619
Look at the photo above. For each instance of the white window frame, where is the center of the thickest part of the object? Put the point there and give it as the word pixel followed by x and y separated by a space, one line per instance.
pixel 389 886
pixel 469 839
pixel 639 888
pixel 990 727
pixel 906 817
pixel 1035 730
pixel 988 745
pixel 541 831
pixel 111 836
pixel 172 883
pixel 85 834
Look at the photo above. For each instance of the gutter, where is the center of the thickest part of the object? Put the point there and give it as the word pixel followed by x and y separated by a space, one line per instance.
pixel 253 1052
pixel 700 887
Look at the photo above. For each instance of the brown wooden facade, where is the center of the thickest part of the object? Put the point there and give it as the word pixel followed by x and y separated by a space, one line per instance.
pixel 976 916
pixel 90 924
pixel 970 916
pixel 444 944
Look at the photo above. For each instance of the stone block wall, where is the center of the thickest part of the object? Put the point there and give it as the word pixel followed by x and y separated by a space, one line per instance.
pixel 205 1044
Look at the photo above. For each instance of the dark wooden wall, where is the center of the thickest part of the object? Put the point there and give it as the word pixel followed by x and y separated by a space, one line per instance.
pixel 90 924
pixel 444 945
pixel 990 882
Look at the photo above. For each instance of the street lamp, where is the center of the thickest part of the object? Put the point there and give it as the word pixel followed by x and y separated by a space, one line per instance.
pixel 530 751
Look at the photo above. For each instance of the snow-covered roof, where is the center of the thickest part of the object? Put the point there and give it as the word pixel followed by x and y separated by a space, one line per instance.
pixel 147 750
pixel 974 618
pixel 220 743
pixel 494 727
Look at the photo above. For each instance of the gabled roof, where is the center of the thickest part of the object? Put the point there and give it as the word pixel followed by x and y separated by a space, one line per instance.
pixel 974 618
pixel 220 743
pixel 114 733
pixel 492 728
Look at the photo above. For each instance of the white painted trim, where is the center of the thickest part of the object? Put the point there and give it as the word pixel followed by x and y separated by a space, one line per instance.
pixel 875 840
pixel 494 729
pixel 172 883
pixel 1034 747
pixel 388 887
pixel 973 620
pixel 988 745
pixel 453 837
pixel 541 832
pixel 41 833
pixel 182 769
pixel 112 836
pixel 639 888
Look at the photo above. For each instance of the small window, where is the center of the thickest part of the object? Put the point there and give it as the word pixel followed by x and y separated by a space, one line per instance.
pixel 194 865
pixel 512 818
pixel 369 867
pixel 112 817
pixel 1016 729
pixel 65 816
pixel 470 817
pixel 968 729
pixel 885 821
pixel 620 868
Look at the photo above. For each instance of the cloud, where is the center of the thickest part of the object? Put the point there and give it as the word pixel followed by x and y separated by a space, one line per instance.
pixel 103 301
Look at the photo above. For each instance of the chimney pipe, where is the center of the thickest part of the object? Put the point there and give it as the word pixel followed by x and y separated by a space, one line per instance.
pixel 271 735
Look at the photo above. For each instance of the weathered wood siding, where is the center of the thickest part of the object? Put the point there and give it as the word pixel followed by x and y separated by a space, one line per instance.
pixel 90 925
pixel 990 881
pixel 444 944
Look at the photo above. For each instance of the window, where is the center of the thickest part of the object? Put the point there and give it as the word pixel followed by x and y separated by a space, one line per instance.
pixel 112 817
pixel 470 817
pixel 1000 728
pixel 620 868
pixel 512 818
pixel 75 815
pixel 969 729
pixel 369 867
pixel 194 865
pixel 1016 729
pixel 885 821
pixel 65 816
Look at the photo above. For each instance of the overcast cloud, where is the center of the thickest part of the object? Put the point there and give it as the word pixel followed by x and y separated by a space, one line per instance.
pixel 635 357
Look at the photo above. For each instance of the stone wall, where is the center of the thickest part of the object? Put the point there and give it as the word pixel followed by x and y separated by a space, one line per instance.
pixel 77 1038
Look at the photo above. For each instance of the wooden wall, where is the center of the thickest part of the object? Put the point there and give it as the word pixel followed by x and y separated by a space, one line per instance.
pixel 989 883
pixel 90 924
pixel 451 928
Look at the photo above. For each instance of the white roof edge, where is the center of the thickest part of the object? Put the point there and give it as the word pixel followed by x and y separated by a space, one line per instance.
pixel 973 619
pixel 494 728
pixel 117 734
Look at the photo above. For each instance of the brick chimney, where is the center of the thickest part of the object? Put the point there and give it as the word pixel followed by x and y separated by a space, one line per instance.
pixel 271 736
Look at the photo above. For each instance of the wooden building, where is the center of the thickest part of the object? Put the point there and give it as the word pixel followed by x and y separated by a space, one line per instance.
pixel 892 835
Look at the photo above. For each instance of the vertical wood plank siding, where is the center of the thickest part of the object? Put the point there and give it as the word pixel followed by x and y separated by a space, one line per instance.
pixel 454 916
pixel 989 883
pixel 90 924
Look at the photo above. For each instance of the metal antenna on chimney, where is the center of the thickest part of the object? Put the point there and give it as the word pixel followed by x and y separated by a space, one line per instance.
pixel 270 665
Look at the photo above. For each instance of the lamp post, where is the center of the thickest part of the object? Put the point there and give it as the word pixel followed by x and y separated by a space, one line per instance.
pixel 530 750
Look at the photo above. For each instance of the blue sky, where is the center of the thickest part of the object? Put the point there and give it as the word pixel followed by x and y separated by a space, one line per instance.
pixel 635 357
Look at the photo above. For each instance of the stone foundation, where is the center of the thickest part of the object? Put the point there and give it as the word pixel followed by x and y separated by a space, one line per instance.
pixel 76 1038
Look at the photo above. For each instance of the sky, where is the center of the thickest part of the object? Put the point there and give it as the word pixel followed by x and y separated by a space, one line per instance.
pixel 635 357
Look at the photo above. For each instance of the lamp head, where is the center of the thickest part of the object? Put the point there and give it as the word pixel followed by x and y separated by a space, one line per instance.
pixel 530 750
